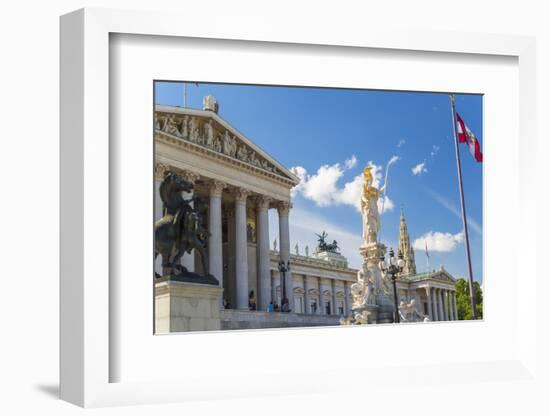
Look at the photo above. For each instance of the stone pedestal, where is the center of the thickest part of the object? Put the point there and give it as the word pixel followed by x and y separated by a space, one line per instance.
pixel 186 306
pixel 371 254
pixel 372 311
pixel 385 309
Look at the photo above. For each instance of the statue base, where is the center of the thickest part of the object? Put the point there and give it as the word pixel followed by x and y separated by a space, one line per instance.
pixel 189 277
pixel 182 306
pixel 372 312
pixel 386 309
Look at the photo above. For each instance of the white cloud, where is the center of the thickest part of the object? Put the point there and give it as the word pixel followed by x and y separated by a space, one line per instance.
pixel 351 162
pixel 393 159
pixel 323 189
pixel 385 204
pixel 301 173
pixel 419 169
pixel 435 150
pixel 401 142
pixel 437 241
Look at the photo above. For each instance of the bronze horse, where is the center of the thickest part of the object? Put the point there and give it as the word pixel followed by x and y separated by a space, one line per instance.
pixel 180 230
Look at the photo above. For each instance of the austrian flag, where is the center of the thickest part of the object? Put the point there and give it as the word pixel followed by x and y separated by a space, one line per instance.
pixel 465 135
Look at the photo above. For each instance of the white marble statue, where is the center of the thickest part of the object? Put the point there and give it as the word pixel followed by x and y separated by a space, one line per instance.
pixel 171 126
pixel 409 313
pixel 275 245
pixel 307 251
pixel 369 208
pixel 209 134
pixel 184 130
pixel 193 130
pixel 362 292
pixel 297 249
pixel 226 143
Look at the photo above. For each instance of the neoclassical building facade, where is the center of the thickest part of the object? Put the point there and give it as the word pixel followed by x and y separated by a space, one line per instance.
pixel 237 183
pixel 434 292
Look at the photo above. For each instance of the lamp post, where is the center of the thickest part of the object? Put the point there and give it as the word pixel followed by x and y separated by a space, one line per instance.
pixel 393 267
pixel 283 268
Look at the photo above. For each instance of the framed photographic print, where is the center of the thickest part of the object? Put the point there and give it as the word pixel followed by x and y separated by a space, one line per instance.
pixel 298 215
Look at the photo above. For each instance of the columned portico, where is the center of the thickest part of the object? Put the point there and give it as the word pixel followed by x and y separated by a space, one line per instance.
pixel 284 239
pixel 241 248
pixel 262 256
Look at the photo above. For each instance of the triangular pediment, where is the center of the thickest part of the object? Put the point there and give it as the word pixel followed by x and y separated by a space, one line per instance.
pixel 206 129
pixel 443 275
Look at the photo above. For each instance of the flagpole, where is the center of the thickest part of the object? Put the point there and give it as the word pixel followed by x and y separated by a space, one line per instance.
pixel 463 206
pixel 427 257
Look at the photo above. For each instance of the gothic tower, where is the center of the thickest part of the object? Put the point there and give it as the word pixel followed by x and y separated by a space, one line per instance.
pixel 405 248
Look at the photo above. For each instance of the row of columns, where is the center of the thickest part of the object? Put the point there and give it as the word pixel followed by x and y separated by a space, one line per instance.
pixel 322 286
pixel 441 304
pixel 239 228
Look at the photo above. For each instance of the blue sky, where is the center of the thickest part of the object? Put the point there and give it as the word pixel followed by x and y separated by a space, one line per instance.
pixel 329 135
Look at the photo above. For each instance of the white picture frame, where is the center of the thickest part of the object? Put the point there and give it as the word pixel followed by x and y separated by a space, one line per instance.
pixel 89 358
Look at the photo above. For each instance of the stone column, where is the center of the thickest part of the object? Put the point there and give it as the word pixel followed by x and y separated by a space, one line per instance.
pixel 215 250
pixel 262 253
pixel 284 241
pixel 188 259
pixel 273 288
pixel 307 305
pixel 333 308
pixel 241 249
pixel 440 305
pixel 435 308
pixel 347 308
pixel 321 305
pixel 229 283
pixel 446 304
pixel 428 296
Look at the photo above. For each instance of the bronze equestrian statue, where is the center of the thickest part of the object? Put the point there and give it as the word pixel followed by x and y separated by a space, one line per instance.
pixel 179 231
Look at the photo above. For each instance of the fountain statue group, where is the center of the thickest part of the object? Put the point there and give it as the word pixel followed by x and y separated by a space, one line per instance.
pixel 372 293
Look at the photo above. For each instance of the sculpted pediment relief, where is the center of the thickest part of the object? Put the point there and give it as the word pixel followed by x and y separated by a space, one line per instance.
pixel 443 275
pixel 207 132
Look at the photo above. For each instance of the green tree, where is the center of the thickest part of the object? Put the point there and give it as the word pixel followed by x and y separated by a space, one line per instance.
pixel 463 300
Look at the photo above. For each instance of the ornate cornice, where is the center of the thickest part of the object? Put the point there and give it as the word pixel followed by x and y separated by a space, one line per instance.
pixel 203 135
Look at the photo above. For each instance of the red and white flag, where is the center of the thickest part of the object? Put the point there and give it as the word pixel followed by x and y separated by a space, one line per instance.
pixel 465 135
